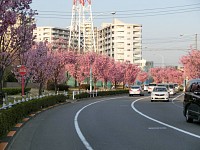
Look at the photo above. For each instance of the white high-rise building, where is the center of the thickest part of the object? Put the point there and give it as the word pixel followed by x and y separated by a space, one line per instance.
pixel 51 34
pixel 121 41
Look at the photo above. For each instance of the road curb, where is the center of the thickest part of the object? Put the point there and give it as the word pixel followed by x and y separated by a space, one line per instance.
pixel 5 141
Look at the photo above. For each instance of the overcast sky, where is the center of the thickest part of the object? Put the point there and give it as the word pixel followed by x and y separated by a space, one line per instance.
pixel 163 22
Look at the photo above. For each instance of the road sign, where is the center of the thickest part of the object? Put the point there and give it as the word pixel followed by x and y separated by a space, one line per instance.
pixel 22 70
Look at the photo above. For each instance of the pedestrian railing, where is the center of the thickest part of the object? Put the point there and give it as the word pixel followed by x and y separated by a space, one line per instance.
pixel 7 104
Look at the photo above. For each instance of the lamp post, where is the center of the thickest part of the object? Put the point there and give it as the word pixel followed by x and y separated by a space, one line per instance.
pixel 113 13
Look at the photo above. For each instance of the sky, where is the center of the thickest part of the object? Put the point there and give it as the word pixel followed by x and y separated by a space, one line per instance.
pixel 169 27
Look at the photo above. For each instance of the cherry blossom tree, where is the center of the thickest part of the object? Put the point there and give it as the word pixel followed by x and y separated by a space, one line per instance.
pixel 191 63
pixel 167 75
pixel 38 62
pixel 131 73
pixel 142 76
pixel 60 57
pixel 16 32
pixel 156 74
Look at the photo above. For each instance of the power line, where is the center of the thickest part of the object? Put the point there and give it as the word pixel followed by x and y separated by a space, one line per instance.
pixel 146 9
pixel 137 13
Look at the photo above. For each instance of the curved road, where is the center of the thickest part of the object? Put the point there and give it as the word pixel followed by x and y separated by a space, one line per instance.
pixel 113 123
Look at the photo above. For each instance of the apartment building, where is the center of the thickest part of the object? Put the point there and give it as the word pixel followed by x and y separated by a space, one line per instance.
pixel 51 34
pixel 90 37
pixel 122 41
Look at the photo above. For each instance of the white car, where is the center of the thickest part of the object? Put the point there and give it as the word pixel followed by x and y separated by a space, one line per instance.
pixel 136 90
pixel 150 87
pixel 172 89
pixel 160 93
pixel 146 87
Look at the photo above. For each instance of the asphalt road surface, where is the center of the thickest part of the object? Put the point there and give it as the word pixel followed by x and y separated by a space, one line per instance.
pixel 111 123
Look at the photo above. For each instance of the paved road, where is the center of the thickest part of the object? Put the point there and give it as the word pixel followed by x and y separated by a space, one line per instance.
pixel 114 123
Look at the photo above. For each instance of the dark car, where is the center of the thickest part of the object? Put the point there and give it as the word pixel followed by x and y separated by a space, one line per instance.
pixel 191 101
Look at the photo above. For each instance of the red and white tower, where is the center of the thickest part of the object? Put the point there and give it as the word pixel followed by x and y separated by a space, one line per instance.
pixel 82 36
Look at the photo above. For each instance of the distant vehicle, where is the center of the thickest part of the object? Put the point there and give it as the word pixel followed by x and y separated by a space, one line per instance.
pixel 160 93
pixel 136 90
pixel 146 87
pixel 166 85
pixel 151 86
pixel 172 90
pixel 191 103
pixel 177 87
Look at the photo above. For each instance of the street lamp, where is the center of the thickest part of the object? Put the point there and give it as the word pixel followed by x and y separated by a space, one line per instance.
pixel 113 13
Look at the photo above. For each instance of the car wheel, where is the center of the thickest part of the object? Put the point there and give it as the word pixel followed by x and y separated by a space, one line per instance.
pixel 151 100
pixel 187 116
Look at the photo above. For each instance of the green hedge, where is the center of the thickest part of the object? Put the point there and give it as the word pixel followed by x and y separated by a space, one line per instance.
pixel 12 116
pixel 82 95
pixel 14 91
pixel 101 93
pixel 61 87
pixel 85 86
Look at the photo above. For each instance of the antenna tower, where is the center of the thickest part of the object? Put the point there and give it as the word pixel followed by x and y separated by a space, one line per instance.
pixel 82 37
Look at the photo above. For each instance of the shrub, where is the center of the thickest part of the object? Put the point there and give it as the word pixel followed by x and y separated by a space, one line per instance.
pixel 85 86
pixel 14 91
pixel 61 87
pixel 11 116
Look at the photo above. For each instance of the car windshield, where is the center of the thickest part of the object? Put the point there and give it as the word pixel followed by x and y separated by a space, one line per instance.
pixel 152 84
pixel 171 86
pixel 135 87
pixel 159 89
pixel 176 85
pixel 166 85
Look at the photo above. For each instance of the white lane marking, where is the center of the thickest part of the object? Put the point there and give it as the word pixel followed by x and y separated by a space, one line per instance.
pixel 176 98
pixel 162 123
pixel 78 130
pixel 157 128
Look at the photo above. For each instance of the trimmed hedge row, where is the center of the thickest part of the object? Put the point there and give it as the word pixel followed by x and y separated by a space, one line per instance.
pixel 104 93
pixel 14 91
pixel 101 93
pixel 12 116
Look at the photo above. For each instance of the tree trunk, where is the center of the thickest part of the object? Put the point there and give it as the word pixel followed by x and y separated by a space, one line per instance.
pixel 40 88
pixel 56 85
pixel 1 85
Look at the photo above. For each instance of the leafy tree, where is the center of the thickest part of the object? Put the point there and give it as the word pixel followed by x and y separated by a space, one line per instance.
pixel 131 73
pixel 191 63
pixel 16 32
pixel 142 76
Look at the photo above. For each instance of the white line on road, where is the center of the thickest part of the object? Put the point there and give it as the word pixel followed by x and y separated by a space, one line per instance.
pixel 162 123
pixel 176 98
pixel 78 130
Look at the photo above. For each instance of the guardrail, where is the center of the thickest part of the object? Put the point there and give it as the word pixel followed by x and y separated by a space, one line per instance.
pixel 93 93
pixel 7 104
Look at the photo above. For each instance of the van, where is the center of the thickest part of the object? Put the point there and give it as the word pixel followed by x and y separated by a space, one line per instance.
pixel 191 103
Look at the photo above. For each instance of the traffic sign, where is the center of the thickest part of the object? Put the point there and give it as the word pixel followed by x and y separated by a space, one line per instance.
pixel 22 70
